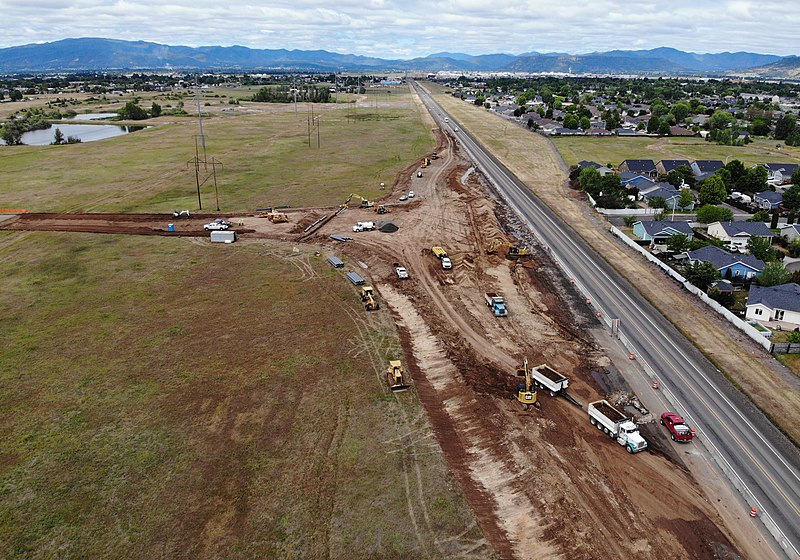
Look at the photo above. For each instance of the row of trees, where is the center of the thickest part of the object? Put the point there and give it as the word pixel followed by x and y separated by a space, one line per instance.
pixel 286 94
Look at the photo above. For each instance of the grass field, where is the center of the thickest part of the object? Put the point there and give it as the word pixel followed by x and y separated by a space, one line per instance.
pixel 165 398
pixel 615 150
pixel 263 148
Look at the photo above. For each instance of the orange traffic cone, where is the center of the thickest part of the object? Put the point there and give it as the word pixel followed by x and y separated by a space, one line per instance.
pixel 655 383
pixel 631 356
pixel 753 512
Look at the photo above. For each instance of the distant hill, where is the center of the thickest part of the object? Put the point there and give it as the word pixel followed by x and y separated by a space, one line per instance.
pixel 73 55
pixel 785 69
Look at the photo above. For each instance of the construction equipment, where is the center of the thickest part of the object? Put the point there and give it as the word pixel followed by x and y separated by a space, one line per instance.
pixel 517 252
pixel 363 202
pixel 180 214
pixel 524 393
pixel 274 216
pixel 368 299
pixel 495 244
pixel 396 376
pixel 426 162
pixel 434 155
pixel 381 209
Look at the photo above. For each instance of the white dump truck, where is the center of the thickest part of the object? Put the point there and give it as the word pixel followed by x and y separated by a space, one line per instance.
pixel 547 378
pixel 616 425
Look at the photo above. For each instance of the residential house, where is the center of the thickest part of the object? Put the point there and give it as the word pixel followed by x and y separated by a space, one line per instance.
pixel 768 200
pixel 775 303
pixel 641 166
pixel 666 165
pixel 627 177
pixel 737 234
pixel 730 265
pixel 670 194
pixel 598 131
pixel 601 169
pixel 568 131
pixel 681 131
pixel 791 232
pixel 659 232
pixel 723 286
pixel 705 168
pixel 780 173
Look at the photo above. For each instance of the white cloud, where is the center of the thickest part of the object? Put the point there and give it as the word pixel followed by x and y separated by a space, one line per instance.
pixel 404 29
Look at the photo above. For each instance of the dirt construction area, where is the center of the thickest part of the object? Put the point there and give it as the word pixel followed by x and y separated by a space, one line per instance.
pixel 543 483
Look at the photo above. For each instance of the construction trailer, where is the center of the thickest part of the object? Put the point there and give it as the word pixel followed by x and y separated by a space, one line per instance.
pixel 223 236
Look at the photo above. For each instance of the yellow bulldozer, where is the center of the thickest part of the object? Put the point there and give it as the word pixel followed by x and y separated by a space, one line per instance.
pixel 524 393
pixel 368 299
pixel 363 202
pixel 396 376
pixel 274 216
pixel 381 209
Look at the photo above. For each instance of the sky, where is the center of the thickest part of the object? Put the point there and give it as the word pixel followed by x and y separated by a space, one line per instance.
pixel 403 29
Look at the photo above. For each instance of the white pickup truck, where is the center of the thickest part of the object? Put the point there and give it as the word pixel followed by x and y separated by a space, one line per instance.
pixel 401 271
pixel 616 425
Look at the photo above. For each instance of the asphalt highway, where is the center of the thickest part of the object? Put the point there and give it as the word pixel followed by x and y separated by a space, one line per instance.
pixel 758 459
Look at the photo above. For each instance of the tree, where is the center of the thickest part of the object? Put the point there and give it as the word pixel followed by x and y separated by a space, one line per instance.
pixel 754 180
pixel 571 121
pixel 791 197
pixel 681 110
pixel 702 274
pixel 720 120
pixel 760 248
pixel 589 180
pixel 663 128
pixel 686 199
pixel 155 110
pixel 657 202
pixel 674 178
pixel 760 216
pixel 58 137
pixel 785 126
pixel 687 174
pixel 710 213
pixel 15 95
pixel 796 176
pixel 713 191
pixel 774 274
pixel 794 336
pixel 131 111
pixel 653 125
pixel 678 243
pixel 794 248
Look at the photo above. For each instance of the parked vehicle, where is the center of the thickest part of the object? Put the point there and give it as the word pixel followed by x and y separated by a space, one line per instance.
pixel 364 226
pixel 403 197
pixel 419 173
pixel 411 194
pixel 616 425
pixel 447 264
pixel 677 427
pixel 546 377
pixel 401 271
pixel 215 226
pixel 225 222
pixel 496 303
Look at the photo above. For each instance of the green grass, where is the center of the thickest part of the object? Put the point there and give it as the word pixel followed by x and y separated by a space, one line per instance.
pixel 264 153
pixel 615 150
pixel 163 395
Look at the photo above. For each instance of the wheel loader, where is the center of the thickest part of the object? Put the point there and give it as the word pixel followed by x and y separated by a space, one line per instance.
pixel 396 376
pixel 368 299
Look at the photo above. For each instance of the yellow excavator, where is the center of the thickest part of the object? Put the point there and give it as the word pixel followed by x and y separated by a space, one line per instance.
pixel 396 376
pixel 514 251
pixel 524 393
pixel 363 202
pixel 368 299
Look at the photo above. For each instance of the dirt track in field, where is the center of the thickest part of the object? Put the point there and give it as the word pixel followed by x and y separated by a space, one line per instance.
pixel 543 483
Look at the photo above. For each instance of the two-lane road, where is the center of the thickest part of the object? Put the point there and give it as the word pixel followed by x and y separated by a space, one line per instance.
pixel 745 444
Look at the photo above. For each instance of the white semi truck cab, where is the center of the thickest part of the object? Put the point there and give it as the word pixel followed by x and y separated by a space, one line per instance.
pixel 616 425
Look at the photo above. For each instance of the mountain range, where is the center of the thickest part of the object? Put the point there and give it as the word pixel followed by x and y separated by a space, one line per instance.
pixel 92 54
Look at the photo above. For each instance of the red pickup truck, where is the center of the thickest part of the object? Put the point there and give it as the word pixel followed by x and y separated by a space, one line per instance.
pixel 678 429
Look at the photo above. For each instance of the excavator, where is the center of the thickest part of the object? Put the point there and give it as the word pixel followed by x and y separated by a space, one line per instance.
pixel 514 251
pixel 524 393
pixel 396 376
pixel 368 299
pixel 364 203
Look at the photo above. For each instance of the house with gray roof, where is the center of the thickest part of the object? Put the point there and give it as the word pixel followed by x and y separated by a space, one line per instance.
pixel 768 200
pixel 601 169
pixel 737 234
pixel 730 265
pixel 659 232
pixel 705 168
pixel 780 173
pixel 791 232
pixel 666 165
pixel 641 166
pixel 775 303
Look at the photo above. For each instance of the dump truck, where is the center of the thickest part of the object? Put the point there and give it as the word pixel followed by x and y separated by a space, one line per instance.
pixel 496 303
pixel 368 299
pixel 396 376
pixel 525 394
pixel 616 425
pixel 547 378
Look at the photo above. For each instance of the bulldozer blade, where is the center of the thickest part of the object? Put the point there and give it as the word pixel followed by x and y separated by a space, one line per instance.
pixel 399 388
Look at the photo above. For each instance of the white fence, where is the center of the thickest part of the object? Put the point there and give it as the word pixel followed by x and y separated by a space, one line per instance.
pixel 749 330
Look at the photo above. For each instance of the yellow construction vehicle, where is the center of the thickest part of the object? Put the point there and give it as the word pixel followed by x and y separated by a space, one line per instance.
pixel 396 376
pixel 274 216
pixel 495 244
pixel 363 202
pixel 368 299
pixel 524 393
pixel 381 209
pixel 426 162
pixel 518 252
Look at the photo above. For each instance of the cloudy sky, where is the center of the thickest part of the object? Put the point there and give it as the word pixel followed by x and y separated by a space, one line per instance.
pixel 410 28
